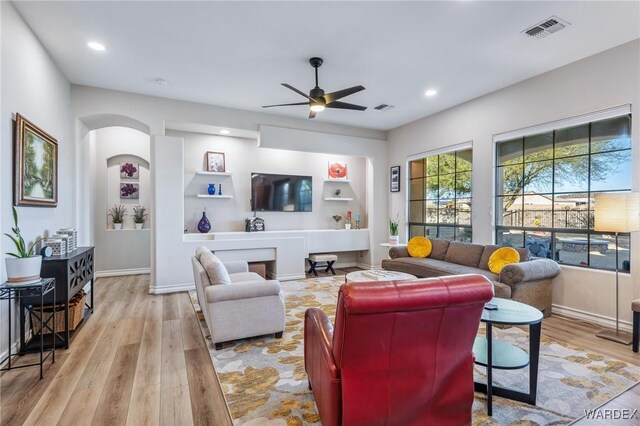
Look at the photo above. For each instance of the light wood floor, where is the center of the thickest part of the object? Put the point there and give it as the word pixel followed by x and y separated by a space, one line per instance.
pixel 141 359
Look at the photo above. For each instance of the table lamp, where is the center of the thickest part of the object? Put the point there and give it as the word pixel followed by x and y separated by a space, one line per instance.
pixel 617 212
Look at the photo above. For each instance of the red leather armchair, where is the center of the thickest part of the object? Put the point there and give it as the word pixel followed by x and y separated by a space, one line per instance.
pixel 400 352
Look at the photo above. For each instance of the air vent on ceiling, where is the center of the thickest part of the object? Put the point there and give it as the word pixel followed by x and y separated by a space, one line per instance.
pixel 384 107
pixel 546 27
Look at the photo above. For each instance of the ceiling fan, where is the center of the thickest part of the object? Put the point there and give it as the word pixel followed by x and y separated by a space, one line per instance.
pixel 318 100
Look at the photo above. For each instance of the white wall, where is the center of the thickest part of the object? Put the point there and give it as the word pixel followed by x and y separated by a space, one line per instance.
pixel 167 224
pixel 604 80
pixel 242 157
pixel 127 250
pixel 33 86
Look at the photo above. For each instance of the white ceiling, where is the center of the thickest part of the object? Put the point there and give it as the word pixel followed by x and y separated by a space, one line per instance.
pixel 236 54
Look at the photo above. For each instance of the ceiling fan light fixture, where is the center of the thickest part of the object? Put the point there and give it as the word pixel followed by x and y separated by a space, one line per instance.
pixel 316 107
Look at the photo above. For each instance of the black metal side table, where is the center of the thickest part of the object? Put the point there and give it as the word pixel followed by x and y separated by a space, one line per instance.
pixel 502 355
pixel 36 290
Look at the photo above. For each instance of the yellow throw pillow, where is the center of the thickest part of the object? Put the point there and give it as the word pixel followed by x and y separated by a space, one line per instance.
pixel 419 247
pixel 502 257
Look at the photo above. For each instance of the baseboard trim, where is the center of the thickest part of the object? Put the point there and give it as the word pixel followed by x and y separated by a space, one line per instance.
pixel 363 265
pixel 122 272
pixel 601 320
pixel 174 288
pixel 287 277
pixel 14 349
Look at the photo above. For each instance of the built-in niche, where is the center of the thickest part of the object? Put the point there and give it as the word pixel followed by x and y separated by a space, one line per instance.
pixel 128 184
pixel 242 157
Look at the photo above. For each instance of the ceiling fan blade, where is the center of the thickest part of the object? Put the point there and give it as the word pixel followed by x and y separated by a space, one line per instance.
pixel 279 105
pixel 300 92
pixel 334 96
pixel 312 114
pixel 344 105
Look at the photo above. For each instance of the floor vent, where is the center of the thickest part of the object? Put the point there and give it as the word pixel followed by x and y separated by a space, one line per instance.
pixel 546 27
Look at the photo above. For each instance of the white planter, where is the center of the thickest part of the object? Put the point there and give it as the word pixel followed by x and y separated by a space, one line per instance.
pixel 139 225
pixel 347 226
pixel 117 226
pixel 393 239
pixel 23 270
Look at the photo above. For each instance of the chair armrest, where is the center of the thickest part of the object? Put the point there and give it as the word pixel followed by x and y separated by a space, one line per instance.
pixel 235 266
pixel 318 334
pixel 531 270
pixel 243 290
pixel 400 251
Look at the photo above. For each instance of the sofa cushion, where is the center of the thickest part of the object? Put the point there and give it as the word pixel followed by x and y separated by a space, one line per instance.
pixel 202 249
pixel 428 267
pixel 245 276
pixel 419 247
pixel 215 269
pixel 464 253
pixel 488 251
pixel 438 248
pixel 503 257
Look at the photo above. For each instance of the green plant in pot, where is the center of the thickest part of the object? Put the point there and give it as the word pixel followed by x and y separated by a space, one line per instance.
pixel 118 213
pixel 139 214
pixel 23 266
pixel 393 229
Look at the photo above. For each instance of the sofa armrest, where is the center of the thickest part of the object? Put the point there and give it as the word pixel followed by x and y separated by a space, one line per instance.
pixel 243 290
pixel 531 270
pixel 235 266
pixel 400 251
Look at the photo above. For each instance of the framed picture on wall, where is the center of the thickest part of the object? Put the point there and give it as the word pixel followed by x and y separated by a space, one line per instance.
pixel 129 170
pixel 129 191
pixel 35 165
pixel 215 162
pixel 337 170
pixel 395 179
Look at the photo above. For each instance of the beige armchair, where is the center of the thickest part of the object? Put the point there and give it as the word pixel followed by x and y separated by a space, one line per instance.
pixel 236 303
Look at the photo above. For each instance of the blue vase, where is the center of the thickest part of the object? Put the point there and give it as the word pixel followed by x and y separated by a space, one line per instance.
pixel 220 189
pixel 204 225
pixel 212 189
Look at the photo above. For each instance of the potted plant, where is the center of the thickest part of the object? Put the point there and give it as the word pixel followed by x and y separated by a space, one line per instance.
pixel 139 213
pixel 22 267
pixel 393 230
pixel 117 213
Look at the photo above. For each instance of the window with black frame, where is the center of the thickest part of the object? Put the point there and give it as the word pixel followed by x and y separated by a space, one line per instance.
pixel 440 196
pixel 545 186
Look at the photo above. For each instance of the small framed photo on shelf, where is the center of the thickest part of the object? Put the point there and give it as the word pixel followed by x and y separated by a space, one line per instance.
pixel 395 179
pixel 337 170
pixel 129 191
pixel 215 161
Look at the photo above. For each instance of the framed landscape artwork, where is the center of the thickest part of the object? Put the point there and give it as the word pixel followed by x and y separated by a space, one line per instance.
pixel 129 191
pixel 395 179
pixel 35 166
pixel 129 170
pixel 337 170
pixel 215 162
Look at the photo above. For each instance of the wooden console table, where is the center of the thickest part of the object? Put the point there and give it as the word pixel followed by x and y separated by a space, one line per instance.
pixel 72 272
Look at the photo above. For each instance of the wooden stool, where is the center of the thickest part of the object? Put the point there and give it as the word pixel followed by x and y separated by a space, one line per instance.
pixel 328 259
pixel 635 307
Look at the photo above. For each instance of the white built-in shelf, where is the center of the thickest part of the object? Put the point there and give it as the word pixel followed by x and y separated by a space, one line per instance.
pixel 338 199
pixel 214 173
pixel 338 180
pixel 213 196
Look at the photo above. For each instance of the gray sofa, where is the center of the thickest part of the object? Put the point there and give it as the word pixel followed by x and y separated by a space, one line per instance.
pixel 528 281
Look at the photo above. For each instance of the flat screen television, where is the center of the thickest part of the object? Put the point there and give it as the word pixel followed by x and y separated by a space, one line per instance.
pixel 281 193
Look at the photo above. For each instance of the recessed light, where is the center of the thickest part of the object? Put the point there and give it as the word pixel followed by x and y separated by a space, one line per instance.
pixel 224 132
pixel 96 46
pixel 431 92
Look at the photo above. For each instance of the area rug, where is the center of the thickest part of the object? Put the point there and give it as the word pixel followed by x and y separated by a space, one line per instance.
pixel 264 381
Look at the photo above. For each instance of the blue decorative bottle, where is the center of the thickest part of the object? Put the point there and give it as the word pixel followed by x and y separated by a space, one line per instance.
pixel 212 189
pixel 204 225
pixel 220 189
